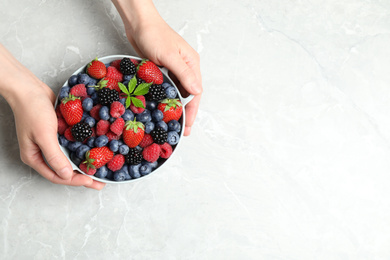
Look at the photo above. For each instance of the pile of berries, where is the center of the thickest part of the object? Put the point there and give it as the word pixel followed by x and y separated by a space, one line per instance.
pixel 119 121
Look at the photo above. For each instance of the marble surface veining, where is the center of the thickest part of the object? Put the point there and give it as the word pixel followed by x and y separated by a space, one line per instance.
pixel 288 158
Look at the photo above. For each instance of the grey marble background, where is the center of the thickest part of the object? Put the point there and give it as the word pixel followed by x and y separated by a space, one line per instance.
pixel 288 159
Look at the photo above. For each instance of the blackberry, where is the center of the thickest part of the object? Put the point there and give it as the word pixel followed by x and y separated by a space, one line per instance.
pixel 127 67
pixel 139 81
pixel 159 135
pixel 134 156
pixel 156 93
pixel 81 131
pixel 106 96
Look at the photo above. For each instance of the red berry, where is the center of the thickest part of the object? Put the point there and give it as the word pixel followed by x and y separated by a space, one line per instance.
pixel 133 133
pixel 114 73
pixel 172 109
pixel 137 110
pixel 98 157
pixel 116 162
pixel 62 126
pixel 117 109
pixel 149 72
pixel 68 134
pixel 95 112
pixel 58 112
pixel 84 167
pixel 166 150
pixel 96 69
pixel 146 141
pixel 71 109
pixel 135 62
pixel 110 83
pixel 102 127
pixel 151 153
pixel 116 64
pixel 112 136
pixel 117 126
pixel 79 90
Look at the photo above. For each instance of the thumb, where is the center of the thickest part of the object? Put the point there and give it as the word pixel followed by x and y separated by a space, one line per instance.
pixel 184 73
pixel 57 160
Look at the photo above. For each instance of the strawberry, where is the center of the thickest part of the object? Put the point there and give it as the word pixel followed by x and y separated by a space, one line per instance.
pixel 84 167
pixel 109 83
pixel 149 72
pixel 114 73
pixel 71 109
pixel 151 153
pixel 133 133
pixel 116 162
pixel 96 69
pixel 98 157
pixel 172 109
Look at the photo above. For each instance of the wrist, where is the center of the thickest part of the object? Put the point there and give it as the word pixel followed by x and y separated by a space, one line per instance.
pixel 135 13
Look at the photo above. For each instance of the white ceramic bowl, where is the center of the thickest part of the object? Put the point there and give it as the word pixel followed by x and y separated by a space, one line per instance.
pixel 108 59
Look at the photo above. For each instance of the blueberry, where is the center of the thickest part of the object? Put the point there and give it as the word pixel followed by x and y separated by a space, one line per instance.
pixel 90 121
pixel 72 80
pixel 104 113
pixel 91 142
pixel 174 125
pixel 127 78
pixel 72 146
pixel 157 115
pixel 114 145
pixel 166 85
pixel 88 104
pixel 85 115
pixel 124 149
pixel 151 105
pixel 120 142
pixel 125 82
pixel 139 148
pixel 153 165
pixel 125 169
pixel 101 141
pixel 92 82
pixel 63 141
pixel 111 120
pixel 144 117
pixel 145 169
pixel 173 137
pixel 80 152
pixel 134 171
pixel 149 126
pixel 76 160
pixel 91 90
pixel 171 92
pixel 119 175
pixel 94 97
pixel 83 79
pixel 101 172
pixel 128 115
pixel 110 175
pixel 64 92
pixel 123 101
pixel 163 125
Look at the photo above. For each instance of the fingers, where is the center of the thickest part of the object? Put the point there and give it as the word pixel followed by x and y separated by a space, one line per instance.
pixel 191 110
pixel 54 156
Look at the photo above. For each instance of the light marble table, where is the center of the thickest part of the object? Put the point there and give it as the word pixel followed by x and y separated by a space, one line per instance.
pixel 288 159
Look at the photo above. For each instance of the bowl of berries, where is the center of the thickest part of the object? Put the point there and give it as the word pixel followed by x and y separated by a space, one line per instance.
pixel 120 118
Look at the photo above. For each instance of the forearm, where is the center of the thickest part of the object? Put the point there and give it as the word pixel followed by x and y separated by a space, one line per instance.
pixel 136 13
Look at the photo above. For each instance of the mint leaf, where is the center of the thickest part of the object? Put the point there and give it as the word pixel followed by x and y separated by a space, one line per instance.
pixel 132 84
pixel 128 101
pixel 123 88
pixel 142 89
pixel 136 102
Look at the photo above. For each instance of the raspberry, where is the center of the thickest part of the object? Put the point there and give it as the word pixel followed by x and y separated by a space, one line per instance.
pixel 116 64
pixel 116 162
pixel 114 73
pixel 137 110
pixel 117 109
pixel 62 126
pixel 151 153
pixel 112 136
pixel 84 168
pixel 79 90
pixel 58 112
pixel 102 127
pixel 146 141
pixel 166 150
pixel 135 62
pixel 68 134
pixel 117 126
pixel 95 112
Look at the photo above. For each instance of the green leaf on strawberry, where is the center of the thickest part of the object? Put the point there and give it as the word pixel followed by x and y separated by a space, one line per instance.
pixel 132 90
